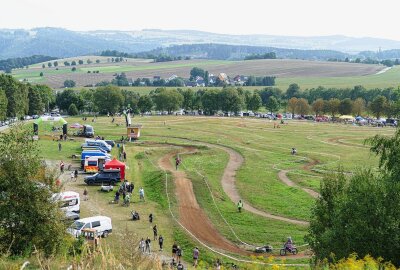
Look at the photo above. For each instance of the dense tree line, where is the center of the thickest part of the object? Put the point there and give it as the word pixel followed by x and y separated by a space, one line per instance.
pixel 156 57
pixel 270 55
pixel 319 101
pixel 19 99
pixel 22 62
pixel 368 60
pixel 238 52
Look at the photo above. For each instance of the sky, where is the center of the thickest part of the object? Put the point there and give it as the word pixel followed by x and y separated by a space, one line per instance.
pixel 357 18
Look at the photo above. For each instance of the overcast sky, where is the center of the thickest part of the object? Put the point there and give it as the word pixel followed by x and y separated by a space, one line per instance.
pixel 279 17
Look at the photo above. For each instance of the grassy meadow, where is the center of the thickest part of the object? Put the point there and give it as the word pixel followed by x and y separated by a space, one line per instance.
pixel 307 74
pixel 322 148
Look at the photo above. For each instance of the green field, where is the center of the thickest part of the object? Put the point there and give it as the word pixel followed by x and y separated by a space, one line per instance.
pixel 322 148
pixel 307 74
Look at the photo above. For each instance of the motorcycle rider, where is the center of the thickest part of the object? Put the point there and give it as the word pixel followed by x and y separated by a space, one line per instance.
pixel 289 243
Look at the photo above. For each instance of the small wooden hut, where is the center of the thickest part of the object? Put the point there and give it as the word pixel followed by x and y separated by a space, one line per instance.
pixel 133 132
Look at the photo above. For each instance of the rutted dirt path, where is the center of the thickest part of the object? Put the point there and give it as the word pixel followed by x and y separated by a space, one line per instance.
pixel 190 213
pixel 285 179
pixel 228 181
pixel 228 184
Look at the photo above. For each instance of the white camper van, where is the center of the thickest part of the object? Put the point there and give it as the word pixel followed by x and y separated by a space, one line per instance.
pixel 70 201
pixel 102 225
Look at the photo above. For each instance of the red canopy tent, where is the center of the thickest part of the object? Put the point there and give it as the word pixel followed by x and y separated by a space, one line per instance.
pixel 116 164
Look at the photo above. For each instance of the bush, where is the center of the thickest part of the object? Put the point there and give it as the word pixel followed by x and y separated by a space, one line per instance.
pixel 69 83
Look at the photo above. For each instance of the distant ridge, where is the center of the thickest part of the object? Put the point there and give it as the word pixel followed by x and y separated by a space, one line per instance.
pixel 58 42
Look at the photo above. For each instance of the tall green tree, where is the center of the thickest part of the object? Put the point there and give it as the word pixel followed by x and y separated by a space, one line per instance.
pixel 318 106
pixel 231 101
pixel 3 105
pixel 108 99
pixel 188 99
pixel 210 101
pixel 358 107
pixel 87 97
pixel 131 100
pixel 28 217
pixel 272 104
pixel 65 98
pixel 378 106
pixel 194 72
pixel 345 106
pixel 168 100
pixel 36 105
pixel 333 106
pixel 145 104
pixel 17 95
pixel 293 91
pixel 206 78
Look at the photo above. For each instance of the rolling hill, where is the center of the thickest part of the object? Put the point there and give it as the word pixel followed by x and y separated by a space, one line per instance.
pixel 61 43
pixel 142 68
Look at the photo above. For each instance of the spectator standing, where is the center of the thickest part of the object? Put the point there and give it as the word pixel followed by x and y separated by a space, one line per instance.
pixel 142 245
pixel 196 254
pixel 174 248
pixel 85 195
pixel 62 166
pixel 151 218
pixel 141 194
pixel 148 247
pixel 161 242
pixel 155 232
pixel 59 147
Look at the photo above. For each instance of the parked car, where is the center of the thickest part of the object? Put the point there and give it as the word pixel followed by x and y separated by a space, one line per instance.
pixel 101 224
pixel 110 142
pixel 391 122
pixel 110 177
pixel 98 143
pixel 88 131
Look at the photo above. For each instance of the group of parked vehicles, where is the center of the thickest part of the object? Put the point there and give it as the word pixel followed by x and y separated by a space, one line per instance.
pixel 69 202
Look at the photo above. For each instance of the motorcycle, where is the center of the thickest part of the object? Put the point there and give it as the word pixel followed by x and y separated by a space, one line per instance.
pixel 288 249
pixel 264 249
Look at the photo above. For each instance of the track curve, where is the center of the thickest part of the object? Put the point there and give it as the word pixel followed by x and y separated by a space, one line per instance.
pixel 190 213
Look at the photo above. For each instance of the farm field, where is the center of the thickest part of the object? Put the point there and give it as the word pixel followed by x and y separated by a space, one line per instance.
pixel 223 159
pixel 305 73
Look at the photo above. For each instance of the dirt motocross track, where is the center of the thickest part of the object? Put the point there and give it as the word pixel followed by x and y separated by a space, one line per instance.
pixel 190 214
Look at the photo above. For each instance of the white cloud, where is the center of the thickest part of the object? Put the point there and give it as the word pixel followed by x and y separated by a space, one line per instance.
pixel 279 17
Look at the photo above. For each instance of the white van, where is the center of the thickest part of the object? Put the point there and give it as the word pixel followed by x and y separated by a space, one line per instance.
pixel 100 143
pixel 102 225
pixel 70 201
